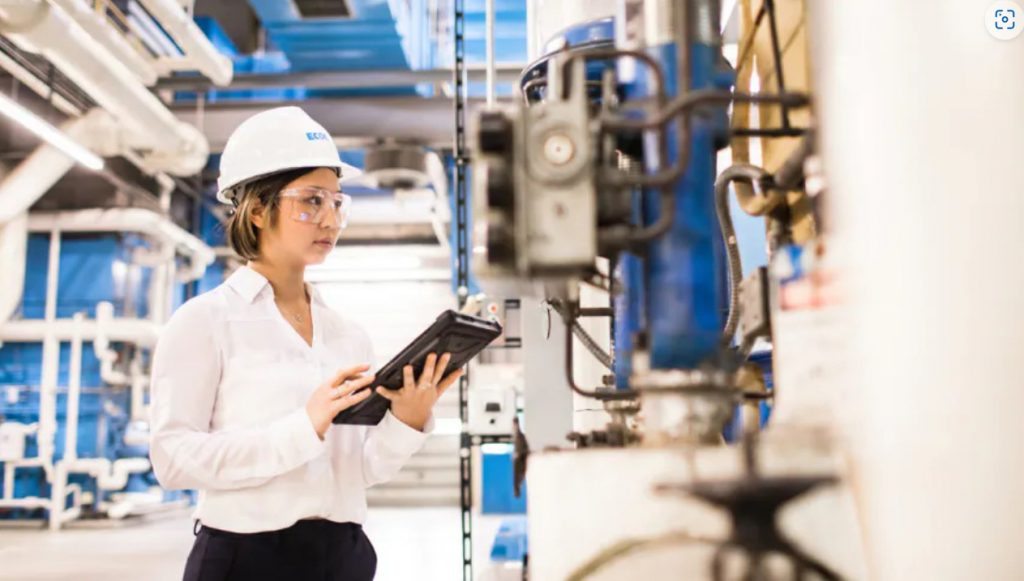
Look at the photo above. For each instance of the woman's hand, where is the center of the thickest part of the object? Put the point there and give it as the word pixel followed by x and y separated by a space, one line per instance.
pixel 413 403
pixel 335 395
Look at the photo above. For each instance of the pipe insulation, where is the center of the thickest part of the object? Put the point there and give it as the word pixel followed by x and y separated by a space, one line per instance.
pixel 13 244
pixel 47 29
pixel 43 168
pixel 200 54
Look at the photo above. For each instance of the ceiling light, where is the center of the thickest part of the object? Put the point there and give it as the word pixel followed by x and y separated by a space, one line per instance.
pixel 49 133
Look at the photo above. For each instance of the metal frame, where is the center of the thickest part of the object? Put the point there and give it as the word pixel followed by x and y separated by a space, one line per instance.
pixel 462 279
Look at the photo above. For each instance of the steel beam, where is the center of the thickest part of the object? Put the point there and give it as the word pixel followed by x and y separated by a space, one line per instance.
pixel 340 79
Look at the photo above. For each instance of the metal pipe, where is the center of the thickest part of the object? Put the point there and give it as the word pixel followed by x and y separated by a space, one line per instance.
pixel 92 22
pixel 200 53
pixel 101 346
pixel 38 86
pixel 490 53
pixel 34 176
pixel 373 78
pixel 130 220
pixel 39 27
pixel 700 98
pixel 50 362
pixel 746 172
pixel 13 245
pixel 140 331
pixel 74 390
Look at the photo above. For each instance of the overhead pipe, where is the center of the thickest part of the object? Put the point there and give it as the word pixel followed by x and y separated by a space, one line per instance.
pixel 101 347
pixel 92 22
pixel 200 54
pixel 47 164
pixel 141 23
pixel 38 86
pixel 85 135
pixel 39 27
pixel 137 220
pixel 13 244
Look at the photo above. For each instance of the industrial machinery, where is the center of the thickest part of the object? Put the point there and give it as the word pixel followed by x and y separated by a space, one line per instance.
pixel 602 190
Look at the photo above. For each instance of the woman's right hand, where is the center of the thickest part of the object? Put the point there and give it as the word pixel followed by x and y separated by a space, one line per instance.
pixel 336 394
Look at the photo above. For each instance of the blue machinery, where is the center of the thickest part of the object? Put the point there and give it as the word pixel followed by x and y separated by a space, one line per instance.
pixel 561 185
pixel 611 154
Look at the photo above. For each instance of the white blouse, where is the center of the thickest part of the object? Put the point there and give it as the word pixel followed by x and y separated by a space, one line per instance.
pixel 230 383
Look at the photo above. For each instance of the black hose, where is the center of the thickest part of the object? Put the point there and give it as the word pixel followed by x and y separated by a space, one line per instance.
pixel 592 345
pixel 698 98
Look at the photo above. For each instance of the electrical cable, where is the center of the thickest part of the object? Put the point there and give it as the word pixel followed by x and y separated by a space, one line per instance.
pixel 746 172
pixel 573 323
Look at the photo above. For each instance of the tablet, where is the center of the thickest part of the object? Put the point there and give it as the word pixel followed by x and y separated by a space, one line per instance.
pixel 464 336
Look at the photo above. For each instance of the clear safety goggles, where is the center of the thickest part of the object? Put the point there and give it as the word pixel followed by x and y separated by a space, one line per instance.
pixel 313 205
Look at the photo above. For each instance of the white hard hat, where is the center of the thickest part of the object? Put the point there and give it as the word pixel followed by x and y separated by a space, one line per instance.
pixel 274 141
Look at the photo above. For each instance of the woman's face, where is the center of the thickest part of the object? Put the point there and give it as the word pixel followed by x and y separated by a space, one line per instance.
pixel 291 240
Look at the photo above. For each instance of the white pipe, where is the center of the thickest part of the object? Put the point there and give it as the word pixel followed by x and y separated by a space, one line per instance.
pixel 50 362
pixel 34 176
pixel 101 346
pixel 13 244
pixel 75 511
pixel 927 241
pixel 112 40
pixel 130 220
pixel 74 390
pixel 27 502
pixel 145 28
pixel 42 129
pixel 43 28
pixel 8 480
pixel 58 498
pixel 141 331
pixel 139 381
pixel 109 475
pixel 200 53
pixel 490 53
pixel 39 87
pixel 52 276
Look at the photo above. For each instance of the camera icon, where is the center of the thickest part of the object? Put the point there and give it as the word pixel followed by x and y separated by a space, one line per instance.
pixel 1004 20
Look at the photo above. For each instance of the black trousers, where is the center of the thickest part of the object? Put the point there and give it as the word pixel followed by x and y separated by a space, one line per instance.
pixel 309 550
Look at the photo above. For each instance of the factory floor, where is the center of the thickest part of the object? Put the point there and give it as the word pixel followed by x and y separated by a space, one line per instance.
pixel 411 543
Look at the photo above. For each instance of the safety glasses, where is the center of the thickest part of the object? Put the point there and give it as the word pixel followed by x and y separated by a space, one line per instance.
pixel 312 205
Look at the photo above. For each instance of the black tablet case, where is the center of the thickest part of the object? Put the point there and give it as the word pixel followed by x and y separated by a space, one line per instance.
pixel 464 336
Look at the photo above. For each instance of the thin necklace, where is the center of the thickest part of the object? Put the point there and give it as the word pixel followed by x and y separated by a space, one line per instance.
pixel 300 319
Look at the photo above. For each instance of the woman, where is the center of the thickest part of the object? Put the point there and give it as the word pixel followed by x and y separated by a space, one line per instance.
pixel 247 378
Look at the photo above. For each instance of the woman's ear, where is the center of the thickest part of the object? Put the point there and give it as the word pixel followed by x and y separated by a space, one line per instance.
pixel 259 215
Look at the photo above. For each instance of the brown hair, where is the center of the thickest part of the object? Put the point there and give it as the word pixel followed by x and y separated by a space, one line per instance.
pixel 243 236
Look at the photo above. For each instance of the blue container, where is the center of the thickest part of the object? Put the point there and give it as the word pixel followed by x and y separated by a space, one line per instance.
pixel 498 493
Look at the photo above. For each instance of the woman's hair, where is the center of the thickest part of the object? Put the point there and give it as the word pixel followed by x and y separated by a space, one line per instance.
pixel 243 236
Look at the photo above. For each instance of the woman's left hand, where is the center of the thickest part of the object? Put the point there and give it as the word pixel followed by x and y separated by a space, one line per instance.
pixel 414 402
